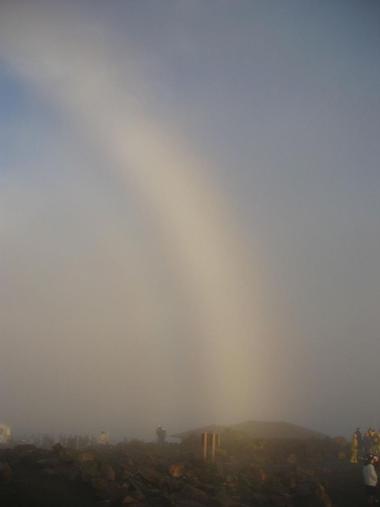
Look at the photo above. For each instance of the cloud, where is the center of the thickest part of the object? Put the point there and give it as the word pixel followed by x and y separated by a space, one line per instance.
pixel 106 310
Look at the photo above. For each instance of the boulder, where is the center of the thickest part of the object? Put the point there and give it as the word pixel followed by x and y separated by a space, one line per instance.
pixel 176 470
pixel 151 476
pixel 107 472
pixel 58 449
pixel 189 503
pixel 5 472
pixel 129 500
pixel 86 456
pixel 194 494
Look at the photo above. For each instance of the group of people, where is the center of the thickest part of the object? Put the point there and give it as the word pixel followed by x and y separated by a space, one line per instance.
pixel 367 448
pixel 363 445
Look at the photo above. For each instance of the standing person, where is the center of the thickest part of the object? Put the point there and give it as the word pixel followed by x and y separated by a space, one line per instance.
pixel 366 443
pixel 354 449
pixel 376 443
pixel 103 438
pixel 370 478
pixel 360 439
pixel 161 435
pixel 372 439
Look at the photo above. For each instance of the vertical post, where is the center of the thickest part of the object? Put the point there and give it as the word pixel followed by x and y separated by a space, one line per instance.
pixel 204 445
pixel 213 447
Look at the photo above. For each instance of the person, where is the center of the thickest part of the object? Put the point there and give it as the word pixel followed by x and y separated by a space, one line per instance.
pixel 103 438
pixel 5 434
pixel 366 443
pixel 354 449
pixel 161 435
pixel 360 439
pixel 376 443
pixel 370 478
pixel 371 432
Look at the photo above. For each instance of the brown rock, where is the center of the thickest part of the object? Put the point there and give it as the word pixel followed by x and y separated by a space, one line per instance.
pixel 89 470
pixel 49 471
pixel 58 448
pixel 194 494
pixel 324 497
pixel 5 472
pixel 129 500
pixel 108 472
pixel 176 470
pixel 86 456
pixel 49 462
pixel 152 476
pixel 25 449
pixel 189 503
pixel 108 490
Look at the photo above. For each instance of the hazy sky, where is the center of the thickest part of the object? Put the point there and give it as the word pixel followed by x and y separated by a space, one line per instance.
pixel 189 214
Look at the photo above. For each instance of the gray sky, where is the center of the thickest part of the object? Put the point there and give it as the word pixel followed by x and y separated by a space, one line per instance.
pixel 189 214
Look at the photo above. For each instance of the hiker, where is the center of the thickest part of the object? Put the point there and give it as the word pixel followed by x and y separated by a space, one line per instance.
pixel 366 443
pixel 5 434
pixel 360 439
pixel 161 435
pixel 370 478
pixel 354 449
pixel 373 441
pixel 103 438
pixel 376 443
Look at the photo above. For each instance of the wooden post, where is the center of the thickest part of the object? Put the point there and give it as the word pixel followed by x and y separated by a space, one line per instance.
pixel 204 445
pixel 214 445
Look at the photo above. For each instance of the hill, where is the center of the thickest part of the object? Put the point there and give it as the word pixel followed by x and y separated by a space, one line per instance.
pixel 259 429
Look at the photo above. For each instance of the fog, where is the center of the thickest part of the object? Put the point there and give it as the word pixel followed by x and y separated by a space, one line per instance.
pixel 189 215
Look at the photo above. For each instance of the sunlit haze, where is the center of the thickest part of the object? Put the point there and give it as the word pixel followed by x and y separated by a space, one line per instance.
pixel 189 214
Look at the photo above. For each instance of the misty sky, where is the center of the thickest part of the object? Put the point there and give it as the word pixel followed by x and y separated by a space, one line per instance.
pixel 189 214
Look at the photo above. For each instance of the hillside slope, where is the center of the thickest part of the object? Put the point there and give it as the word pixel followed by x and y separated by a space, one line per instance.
pixel 259 429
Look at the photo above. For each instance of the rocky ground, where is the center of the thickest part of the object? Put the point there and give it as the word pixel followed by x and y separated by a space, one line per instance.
pixel 140 475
